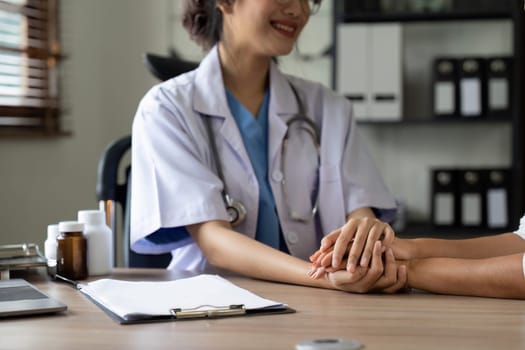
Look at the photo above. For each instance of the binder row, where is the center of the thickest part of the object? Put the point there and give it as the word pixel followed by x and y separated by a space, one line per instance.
pixel 472 87
pixel 446 7
pixel 474 198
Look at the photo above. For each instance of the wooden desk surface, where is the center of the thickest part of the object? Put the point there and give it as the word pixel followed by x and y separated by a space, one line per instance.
pixel 406 321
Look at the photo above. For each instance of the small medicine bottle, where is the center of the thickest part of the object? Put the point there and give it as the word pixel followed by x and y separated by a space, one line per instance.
pixel 99 242
pixel 51 244
pixel 72 250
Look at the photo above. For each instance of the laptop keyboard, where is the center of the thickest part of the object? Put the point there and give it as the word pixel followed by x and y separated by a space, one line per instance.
pixel 20 293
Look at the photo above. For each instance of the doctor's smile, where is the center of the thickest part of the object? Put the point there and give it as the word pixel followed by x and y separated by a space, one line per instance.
pixel 285 29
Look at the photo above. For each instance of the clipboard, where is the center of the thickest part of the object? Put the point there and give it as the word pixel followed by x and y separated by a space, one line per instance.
pixel 128 302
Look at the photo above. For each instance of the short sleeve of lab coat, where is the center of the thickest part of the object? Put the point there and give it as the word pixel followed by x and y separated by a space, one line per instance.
pixel 521 230
pixel 172 183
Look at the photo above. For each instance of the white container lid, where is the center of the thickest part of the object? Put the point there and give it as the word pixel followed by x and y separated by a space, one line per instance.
pixel 91 217
pixel 70 226
pixel 52 231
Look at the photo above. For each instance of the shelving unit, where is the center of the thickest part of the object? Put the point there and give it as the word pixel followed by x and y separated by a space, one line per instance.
pixel 420 17
pixel 422 121
pixel 502 10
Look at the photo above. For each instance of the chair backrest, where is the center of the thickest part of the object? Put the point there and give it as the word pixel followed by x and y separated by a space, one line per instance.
pixel 167 67
pixel 113 193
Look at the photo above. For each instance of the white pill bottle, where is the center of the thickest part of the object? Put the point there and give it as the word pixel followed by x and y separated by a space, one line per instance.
pixel 99 242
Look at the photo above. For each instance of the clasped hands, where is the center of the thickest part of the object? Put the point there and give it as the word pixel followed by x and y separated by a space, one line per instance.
pixel 359 257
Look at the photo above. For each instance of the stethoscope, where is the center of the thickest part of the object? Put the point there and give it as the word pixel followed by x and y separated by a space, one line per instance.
pixel 235 209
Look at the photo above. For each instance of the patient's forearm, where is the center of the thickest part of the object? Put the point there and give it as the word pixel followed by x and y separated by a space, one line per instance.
pixel 500 277
pixel 475 248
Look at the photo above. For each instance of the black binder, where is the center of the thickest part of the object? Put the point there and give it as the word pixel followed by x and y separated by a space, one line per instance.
pixel 472 87
pixel 499 86
pixel 444 197
pixel 445 101
pixel 497 189
pixel 472 198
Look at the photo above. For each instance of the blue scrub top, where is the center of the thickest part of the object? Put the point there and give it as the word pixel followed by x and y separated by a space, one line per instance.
pixel 254 133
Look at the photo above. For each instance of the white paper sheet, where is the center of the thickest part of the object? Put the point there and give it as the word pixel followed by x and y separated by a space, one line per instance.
pixel 203 292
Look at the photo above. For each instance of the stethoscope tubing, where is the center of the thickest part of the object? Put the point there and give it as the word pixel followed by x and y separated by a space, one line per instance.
pixel 235 208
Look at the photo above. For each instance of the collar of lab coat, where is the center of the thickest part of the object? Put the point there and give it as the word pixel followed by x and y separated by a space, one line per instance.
pixel 210 96
pixel 210 100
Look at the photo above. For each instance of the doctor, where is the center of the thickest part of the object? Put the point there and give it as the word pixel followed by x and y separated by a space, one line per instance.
pixel 237 166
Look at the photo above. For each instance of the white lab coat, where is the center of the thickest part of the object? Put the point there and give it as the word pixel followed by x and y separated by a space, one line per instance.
pixel 174 181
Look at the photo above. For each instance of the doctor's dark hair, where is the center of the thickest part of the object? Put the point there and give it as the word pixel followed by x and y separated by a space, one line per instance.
pixel 203 21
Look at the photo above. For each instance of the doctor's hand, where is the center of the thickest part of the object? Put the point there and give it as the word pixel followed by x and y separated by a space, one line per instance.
pixel 355 240
pixel 386 277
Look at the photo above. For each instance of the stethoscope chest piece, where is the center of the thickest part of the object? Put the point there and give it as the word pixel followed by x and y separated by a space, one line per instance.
pixel 235 209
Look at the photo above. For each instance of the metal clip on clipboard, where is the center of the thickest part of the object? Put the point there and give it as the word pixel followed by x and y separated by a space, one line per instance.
pixel 232 310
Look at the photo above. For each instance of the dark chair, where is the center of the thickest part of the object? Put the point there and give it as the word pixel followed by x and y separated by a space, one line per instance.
pixel 113 178
pixel 167 67
pixel 113 191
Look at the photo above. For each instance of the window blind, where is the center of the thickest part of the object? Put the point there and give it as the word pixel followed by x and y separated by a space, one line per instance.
pixel 29 57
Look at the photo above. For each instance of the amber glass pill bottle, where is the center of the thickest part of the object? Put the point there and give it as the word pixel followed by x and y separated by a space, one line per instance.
pixel 72 250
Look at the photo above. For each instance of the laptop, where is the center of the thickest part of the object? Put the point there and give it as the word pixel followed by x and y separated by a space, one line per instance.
pixel 19 297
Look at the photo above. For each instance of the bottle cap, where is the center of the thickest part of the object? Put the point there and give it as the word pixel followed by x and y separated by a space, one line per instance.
pixel 91 217
pixel 52 231
pixel 70 226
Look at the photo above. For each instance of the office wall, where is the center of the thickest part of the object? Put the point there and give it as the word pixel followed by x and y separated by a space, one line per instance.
pixel 47 180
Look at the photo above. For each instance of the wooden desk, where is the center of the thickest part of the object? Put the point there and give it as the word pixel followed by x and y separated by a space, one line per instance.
pixel 406 321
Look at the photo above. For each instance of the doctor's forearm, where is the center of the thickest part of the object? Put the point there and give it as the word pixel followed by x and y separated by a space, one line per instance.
pixel 500 277
pixel 227 249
